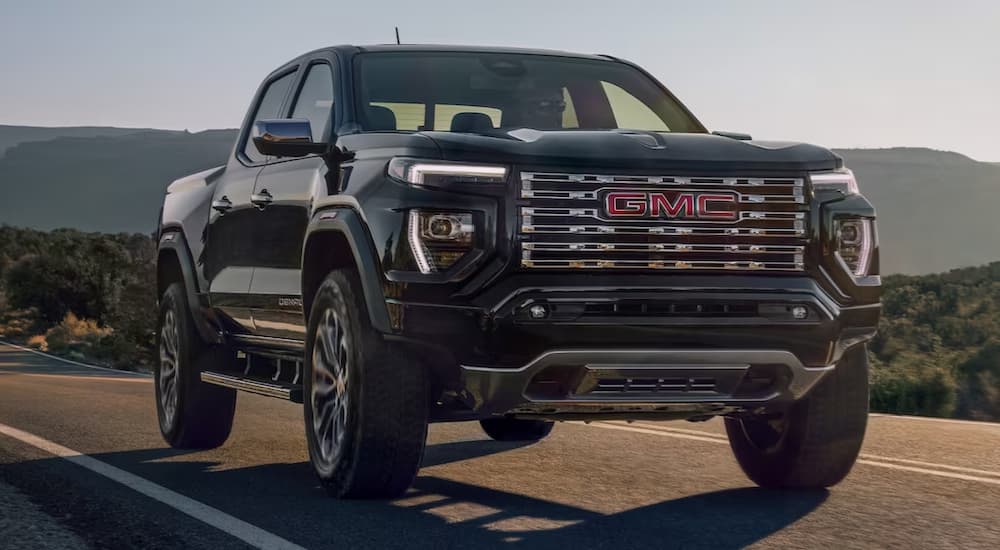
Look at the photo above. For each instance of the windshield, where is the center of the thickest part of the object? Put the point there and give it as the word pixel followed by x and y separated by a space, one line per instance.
pixel 482 92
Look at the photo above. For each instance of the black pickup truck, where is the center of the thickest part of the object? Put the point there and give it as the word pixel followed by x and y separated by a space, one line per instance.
pixel 413 234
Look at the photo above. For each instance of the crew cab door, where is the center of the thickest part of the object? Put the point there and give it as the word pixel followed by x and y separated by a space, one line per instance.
pixel 284 193
pixel 229 249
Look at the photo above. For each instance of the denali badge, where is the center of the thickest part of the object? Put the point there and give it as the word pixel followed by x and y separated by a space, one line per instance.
pixel 671 205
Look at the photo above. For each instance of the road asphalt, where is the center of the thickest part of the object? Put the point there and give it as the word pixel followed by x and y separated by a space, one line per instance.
pixel 81 446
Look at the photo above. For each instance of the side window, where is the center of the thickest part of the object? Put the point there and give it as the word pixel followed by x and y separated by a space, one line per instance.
pixel 630 112
pixel 268 107
pixel 315 101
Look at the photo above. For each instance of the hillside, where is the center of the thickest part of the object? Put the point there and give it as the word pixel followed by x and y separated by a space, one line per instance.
pixel 104 183
pixel 13 135
pixel 936 208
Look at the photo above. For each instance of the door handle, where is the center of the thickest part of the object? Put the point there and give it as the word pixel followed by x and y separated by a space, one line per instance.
pixel 262 199
pixel 222 205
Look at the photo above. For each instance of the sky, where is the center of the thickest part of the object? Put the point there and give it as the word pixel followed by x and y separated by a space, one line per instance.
pixel 848 73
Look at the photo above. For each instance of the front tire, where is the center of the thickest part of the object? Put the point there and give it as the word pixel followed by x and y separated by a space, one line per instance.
pixel 192 414
pixel 365 403
pixel 516 429
pixel 815 444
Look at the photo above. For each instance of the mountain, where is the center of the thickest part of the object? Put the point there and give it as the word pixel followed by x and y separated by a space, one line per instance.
pixel 102 183
pixel 936 208
pixel 13 135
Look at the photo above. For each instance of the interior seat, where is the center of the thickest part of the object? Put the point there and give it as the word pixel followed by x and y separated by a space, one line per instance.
pixel 471 122
pixel 381 119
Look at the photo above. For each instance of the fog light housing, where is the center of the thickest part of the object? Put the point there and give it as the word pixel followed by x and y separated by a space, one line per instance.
pixel 538 311
pixel 438 240
pixel 799 312
pixel 853 238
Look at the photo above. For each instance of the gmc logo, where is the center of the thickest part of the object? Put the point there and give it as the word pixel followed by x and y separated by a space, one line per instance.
pixel 671 205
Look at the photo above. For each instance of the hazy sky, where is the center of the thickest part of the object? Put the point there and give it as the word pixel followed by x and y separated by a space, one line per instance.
pixel 869 73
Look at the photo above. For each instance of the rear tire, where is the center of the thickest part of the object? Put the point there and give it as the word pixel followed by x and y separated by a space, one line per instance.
pixel 516 429
pixel 365 403
pixel 192 414
pixel 815 443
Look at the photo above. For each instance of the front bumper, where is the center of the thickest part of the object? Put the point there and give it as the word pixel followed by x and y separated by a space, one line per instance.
pixel 684 346
pixel 615 382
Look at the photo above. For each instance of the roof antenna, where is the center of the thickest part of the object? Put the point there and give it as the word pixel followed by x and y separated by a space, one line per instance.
pixel 397 36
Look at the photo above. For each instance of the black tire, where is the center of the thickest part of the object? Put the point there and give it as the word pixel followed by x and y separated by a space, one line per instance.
pixel 194 415
pixel 818 439
pixel 383 421
pixel 515 429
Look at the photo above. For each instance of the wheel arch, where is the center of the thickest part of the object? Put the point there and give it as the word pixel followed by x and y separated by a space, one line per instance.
pixel 174 265
pixel 337 238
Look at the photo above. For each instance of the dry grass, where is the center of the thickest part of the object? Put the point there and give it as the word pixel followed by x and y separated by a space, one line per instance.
pixel 74 333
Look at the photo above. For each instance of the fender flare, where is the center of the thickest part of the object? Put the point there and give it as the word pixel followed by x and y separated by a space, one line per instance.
pixel 173 239
pixel 348 223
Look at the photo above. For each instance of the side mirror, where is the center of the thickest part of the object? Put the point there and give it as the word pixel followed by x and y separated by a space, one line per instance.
pixel 287 137
pixel 734 135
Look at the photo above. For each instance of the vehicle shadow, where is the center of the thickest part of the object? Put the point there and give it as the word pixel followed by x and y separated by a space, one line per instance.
pixel 443 513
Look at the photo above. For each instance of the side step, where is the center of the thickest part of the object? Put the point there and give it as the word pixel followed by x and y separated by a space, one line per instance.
pixel 290 392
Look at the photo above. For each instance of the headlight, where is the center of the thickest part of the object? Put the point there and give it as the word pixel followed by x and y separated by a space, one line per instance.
pixel 439 239
pixel 841 180
pixel 854 240
pixel 430 172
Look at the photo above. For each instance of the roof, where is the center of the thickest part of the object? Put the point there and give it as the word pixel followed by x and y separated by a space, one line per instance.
pixel 348 50
pixel 474 49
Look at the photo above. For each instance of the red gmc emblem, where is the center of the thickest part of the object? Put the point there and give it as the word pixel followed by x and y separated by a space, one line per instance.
pixel 671 205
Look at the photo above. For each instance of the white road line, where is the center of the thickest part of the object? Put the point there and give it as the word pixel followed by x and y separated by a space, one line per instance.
pixel 927 471
pixel 979 423
pixel 902 464
pixel 75 363
pixel 930 465
pixel 680 430
pixel 250 534
pixel 653 432
pixel 868 456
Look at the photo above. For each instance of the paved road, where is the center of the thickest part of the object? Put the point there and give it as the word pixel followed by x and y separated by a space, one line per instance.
pixel 921 483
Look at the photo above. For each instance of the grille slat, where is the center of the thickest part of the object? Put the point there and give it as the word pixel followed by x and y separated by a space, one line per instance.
pixel 653 385
pixel 565 223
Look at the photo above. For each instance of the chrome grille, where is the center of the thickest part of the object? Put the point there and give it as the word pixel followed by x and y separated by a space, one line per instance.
pixel 564 224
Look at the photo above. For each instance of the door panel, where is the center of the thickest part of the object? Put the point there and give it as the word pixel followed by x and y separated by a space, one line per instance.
pixel 275 291
pixel 229 245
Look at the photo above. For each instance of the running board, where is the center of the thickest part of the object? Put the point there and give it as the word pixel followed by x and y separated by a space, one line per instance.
pixel 288 392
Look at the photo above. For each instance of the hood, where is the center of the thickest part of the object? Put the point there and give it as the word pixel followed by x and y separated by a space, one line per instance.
pixel 633 150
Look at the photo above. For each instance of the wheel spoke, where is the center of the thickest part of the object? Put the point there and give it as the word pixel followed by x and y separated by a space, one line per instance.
pixel 329 393
pixel 169 359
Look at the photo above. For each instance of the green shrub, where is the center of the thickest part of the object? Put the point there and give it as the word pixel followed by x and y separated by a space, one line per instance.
pixel 918 387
